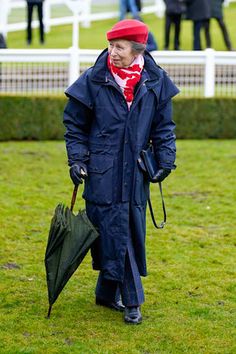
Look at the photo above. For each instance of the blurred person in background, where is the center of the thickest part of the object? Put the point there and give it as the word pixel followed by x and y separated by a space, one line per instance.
pixel 151 42
pixel 114 110
pixel 173 16
pixel 139 4
pixel 199 11
pixel 30 6
pixel 130 6
pixel 217 13
pixel 3 44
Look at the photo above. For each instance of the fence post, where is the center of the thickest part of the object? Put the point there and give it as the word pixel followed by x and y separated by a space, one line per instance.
pixel 160 8
pixel 76 6
pixel 86 12
pixel 75 31
pixel 209 78
pixel 47 15
pixel 74 64
pixel 4 10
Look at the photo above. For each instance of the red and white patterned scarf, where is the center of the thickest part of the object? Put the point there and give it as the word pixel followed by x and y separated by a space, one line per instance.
pixel 127 78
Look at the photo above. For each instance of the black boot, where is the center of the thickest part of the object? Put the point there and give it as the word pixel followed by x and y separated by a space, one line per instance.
pixel 133 315
pixel 116 305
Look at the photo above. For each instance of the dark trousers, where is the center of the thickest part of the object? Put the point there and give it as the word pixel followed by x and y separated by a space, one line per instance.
pixel 169 20
pixel 224 33
pixel 130 290
pixel 206 26
pixel 40 17
pixel 197 26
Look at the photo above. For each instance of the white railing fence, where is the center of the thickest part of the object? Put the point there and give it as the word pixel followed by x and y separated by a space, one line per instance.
pixel 85 16
pixel 206 73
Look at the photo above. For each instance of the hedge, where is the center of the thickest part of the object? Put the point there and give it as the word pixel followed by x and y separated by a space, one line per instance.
pixel 202 118
pixel 31 118
pixel 40 118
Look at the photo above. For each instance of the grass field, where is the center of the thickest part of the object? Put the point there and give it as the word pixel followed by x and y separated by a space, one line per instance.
pixel 190 291
pixel 94 37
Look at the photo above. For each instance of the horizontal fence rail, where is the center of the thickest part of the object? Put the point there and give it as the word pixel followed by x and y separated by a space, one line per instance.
pixel 49 71
pixel 85 15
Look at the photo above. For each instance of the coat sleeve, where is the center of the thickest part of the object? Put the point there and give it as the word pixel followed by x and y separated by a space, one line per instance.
pixel 163 127
pixel 77 120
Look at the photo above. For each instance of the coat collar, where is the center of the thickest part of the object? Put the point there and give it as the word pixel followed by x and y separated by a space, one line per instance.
pixel 152 72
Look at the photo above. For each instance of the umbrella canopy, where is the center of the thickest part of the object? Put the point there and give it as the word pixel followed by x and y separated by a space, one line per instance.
pixel 70 238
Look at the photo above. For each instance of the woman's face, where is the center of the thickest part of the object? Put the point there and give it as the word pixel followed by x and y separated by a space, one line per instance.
pixel 121 53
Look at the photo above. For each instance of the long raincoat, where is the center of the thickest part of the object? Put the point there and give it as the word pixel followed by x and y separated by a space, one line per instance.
pixel 102 133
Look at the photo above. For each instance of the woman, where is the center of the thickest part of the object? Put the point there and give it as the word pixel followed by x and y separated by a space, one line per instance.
pixel 115 108
pixel 129 6
pixel 199 12
pixel 173 16
pixel 217 13
pixel 30 6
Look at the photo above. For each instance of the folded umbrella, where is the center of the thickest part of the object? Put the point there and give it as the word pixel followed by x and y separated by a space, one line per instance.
pixel 70 237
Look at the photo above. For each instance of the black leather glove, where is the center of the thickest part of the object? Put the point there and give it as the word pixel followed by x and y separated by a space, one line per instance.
pixel 78 172
pixel 162 174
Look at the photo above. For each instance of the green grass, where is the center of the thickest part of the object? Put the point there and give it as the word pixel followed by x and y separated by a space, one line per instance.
pixel 190 291
pixel 94 37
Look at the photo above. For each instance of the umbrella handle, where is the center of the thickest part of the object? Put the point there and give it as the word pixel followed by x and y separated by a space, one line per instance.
pixel 73 199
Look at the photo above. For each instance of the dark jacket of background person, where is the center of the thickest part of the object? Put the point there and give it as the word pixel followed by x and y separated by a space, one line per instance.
pixel 3 44
pixel 151 43
pixel 216 8
pixel 175 6
pixel 198 9
pixel 101 132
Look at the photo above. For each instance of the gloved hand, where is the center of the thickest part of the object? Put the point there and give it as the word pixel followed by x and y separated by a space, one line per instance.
pixel 162 174
pixel 78 172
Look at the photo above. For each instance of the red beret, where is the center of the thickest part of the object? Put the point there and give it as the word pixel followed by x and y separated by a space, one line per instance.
pixel 132 30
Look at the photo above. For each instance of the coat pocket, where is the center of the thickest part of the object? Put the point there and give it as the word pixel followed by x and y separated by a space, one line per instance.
pixel 99 183
pixel 141 188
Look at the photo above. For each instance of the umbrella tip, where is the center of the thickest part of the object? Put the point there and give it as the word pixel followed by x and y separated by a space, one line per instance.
pixel 49 311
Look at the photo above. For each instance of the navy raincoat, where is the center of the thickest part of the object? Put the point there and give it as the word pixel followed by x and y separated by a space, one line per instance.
pixel 102 133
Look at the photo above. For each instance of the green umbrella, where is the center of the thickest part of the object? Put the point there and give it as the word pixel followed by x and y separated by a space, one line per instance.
pixel 70 238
